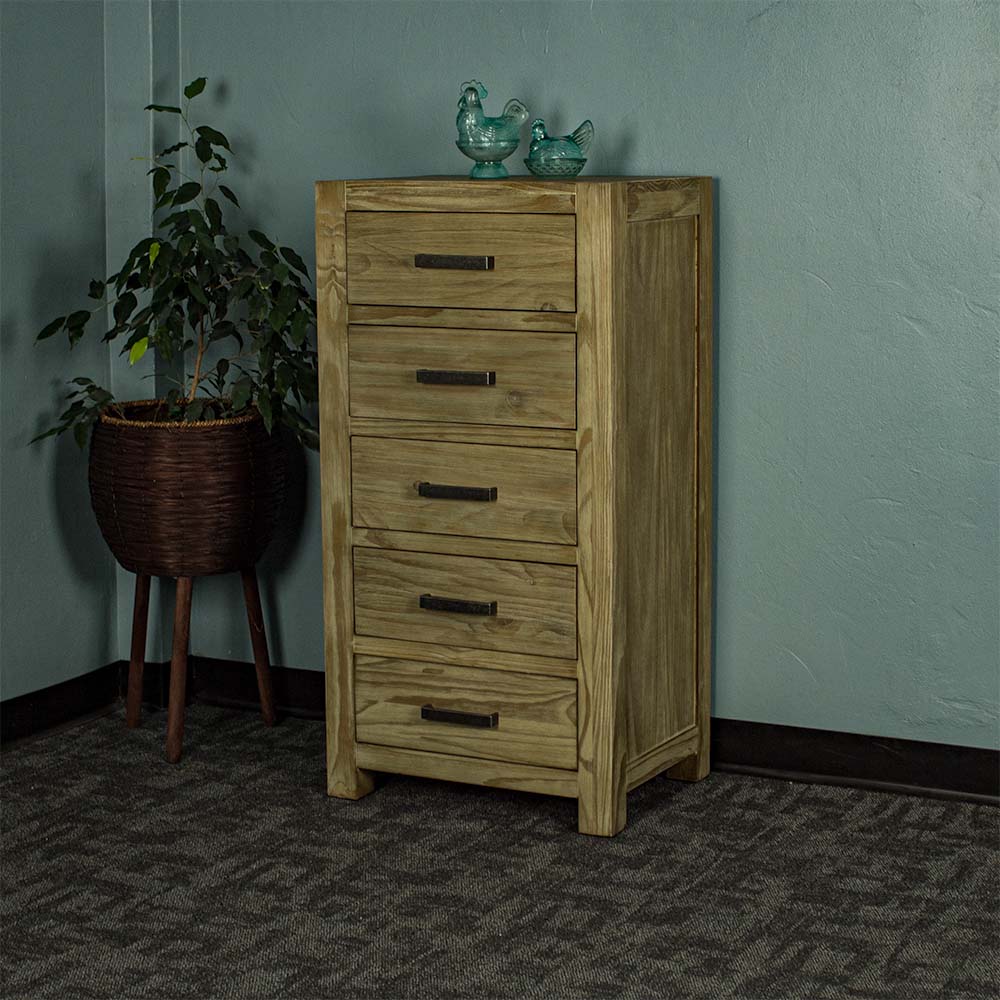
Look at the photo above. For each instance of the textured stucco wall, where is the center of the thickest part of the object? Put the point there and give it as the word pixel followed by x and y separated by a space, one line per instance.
pixel 857 325
pixel 56 577
pixel 857 444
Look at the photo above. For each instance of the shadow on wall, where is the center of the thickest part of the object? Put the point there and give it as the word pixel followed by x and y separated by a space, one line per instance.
pixel 283 552
pixel 49 477
pixel 219 614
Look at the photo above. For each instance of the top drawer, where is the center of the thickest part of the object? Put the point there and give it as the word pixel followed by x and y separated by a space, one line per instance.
pixel 532 260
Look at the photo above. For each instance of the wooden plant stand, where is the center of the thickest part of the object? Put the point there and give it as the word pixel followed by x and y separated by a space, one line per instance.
pixel 179 656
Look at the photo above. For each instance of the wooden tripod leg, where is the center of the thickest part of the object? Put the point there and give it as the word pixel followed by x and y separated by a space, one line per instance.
pixel 137 658
pixel 178 669
pixel 255 617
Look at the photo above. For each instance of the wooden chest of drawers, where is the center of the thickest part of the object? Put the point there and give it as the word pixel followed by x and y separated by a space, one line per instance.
pixel 515 406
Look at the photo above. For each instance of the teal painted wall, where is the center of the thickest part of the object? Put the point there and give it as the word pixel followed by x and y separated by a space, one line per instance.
pixel 857 444
pixel 56 576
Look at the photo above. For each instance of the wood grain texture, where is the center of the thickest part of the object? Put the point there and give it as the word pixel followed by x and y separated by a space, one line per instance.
pixel 659 758
pixel 536 716
pixel 258 641
pixel 535 489
pixel 536 602
pixel 602 750
pixel 534 260
pixel 137 657
pixel 697 767
pixel 664 198
pixel 458 194
pixel 655 480
pixel 626 612
pixel 462 319
pixel 344 778
pixel 179 668
pixel 524 663
pixel 472 770
pixel 457 545
pixel 535 376
pixel 421 430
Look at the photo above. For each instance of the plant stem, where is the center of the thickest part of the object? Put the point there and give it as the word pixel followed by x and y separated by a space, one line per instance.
pixel 197 361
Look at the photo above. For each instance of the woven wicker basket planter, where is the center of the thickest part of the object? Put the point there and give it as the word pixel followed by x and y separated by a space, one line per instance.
pixel 176 499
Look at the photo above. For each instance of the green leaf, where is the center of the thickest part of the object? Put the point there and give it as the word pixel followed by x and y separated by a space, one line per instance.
pixel 81 432
pixel 51 328
pixel 264 407
pixel 162 107
pixel 187 192
pixel 295 260
pixel 139 348
pixel 300 322
pixel 154 252
pixel 96 289
pixel 76 320
pixel 197 220
pixel 260 239
pixel 242 390
pixel 226 193
pixel 214 213
pixel 214 136
pixel 124 307
pixel 192 411
pixel 222 369
pixel 242 288
pixel 197 293
pixel 195 87
pixel 287 298
pixel 161 178
pixel 204 150
pixel 171 149
pixel 224 328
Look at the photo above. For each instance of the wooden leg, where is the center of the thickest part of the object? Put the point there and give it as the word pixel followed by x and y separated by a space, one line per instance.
pixel 137 659
pixel 255 616
pixel 178 669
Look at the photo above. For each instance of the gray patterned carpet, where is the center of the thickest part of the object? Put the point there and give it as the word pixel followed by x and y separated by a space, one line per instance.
pixel 232 875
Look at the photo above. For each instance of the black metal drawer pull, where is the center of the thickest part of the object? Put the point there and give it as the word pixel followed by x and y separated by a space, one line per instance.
pixel 484 721
pixel 437 491
pixel 454 261
pixel 433 376
pixel 431 603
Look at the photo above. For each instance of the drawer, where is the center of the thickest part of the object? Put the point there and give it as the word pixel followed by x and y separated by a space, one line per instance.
pixel 502 604
pixel 486 491
pixel 466 711
pixel 532 258
pixel 520 379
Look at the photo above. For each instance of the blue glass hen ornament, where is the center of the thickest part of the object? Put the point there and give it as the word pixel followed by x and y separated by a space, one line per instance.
pixel 558 155
pixel 487 140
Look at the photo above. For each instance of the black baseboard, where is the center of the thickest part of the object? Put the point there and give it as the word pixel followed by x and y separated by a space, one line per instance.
pixel 784 752
pixel 61 703
pixel 875 762
pixel 232 684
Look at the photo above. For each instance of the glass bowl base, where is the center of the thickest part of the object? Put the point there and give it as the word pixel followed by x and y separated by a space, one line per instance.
pixel 489 170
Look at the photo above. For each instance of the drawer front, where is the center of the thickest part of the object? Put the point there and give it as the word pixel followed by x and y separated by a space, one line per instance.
pixel 532 260
pixel 485 491
pixel 502 604
pixel 519 379
pixel 467 711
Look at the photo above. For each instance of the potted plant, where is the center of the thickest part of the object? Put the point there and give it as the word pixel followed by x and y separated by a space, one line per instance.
pixel 191 484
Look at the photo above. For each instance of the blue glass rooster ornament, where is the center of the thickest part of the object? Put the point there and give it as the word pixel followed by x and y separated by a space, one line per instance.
pixel 487 140
pixel 558 155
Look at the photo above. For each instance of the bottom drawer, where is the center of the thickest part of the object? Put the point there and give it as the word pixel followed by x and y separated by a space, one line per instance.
pixel 466 711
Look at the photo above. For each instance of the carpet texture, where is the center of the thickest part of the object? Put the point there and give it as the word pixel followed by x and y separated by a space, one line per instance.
pixel 232 875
